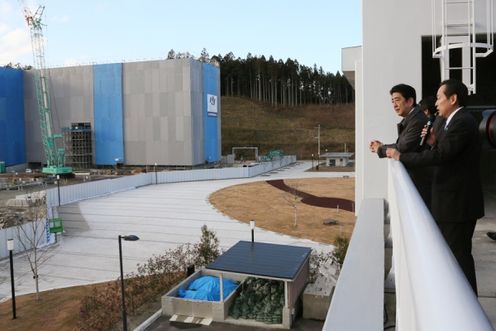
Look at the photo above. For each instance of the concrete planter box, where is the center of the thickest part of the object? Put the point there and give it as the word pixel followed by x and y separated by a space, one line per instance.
pixel 218 311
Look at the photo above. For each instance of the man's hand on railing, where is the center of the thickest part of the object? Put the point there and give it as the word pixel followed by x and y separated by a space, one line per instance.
pixel 393 153
pixel 374 145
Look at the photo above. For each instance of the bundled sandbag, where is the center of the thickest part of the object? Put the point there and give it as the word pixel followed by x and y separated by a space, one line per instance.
pixel 261 300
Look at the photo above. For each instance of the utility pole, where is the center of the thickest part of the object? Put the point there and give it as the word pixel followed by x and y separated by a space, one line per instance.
pixel 318 146
pixel 318 141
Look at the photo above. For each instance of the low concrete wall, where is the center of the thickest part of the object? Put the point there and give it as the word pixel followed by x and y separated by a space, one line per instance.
pixel 216 310
pixel 317 298
pixel 358 299
pixel 78 192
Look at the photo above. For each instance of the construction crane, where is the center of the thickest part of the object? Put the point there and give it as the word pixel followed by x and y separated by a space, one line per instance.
pixel 54 155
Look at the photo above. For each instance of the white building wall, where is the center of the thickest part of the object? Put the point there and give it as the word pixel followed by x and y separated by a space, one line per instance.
pixel 392 33
pixel 391 54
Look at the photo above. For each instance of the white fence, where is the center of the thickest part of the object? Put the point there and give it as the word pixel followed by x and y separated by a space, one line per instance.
pixel 73 193
pixel 432 292
pixel 26 235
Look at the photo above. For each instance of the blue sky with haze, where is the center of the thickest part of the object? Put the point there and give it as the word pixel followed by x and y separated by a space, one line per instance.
pixel 82 32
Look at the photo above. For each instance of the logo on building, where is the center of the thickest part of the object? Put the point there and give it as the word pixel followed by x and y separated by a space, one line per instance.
pixel 212 108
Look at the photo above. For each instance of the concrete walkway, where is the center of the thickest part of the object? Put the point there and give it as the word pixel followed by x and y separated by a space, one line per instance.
pixel 163 216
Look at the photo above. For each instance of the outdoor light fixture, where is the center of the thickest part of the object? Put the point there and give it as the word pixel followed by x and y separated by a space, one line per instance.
pixel 130 237
pixel 10 248
pixel 252 227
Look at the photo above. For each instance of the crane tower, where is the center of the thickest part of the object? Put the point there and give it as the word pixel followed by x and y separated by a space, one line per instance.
pixel 54 155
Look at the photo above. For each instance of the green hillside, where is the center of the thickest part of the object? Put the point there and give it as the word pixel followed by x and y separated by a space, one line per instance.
pixel 250 123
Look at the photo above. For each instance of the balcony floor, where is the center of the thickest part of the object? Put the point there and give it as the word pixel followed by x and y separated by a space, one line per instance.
pixel 484 251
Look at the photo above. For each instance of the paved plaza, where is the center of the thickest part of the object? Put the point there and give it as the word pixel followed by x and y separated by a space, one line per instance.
pixel 162 216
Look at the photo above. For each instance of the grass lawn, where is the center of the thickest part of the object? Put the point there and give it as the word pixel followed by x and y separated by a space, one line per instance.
pixel 273 209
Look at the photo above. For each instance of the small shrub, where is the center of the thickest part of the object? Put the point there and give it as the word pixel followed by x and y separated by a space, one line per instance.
pixel 339 252
pixel 318 263
pixel 102 309
pixel 207 250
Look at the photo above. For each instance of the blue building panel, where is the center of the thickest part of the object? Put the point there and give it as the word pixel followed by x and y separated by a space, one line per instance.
pixel 12 130
pixel 108 114
pixel 211 109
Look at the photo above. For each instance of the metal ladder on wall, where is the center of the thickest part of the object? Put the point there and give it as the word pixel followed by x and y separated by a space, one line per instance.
pixel 466 32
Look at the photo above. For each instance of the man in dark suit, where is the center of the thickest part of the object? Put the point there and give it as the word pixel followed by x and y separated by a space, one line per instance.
pixel 457 200
pixel 403 98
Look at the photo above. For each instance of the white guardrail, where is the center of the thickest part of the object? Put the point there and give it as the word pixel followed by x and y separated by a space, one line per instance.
pixel 78 192
pixel 432 292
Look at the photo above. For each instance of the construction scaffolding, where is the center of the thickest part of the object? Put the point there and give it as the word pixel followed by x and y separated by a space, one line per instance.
pixel 78 142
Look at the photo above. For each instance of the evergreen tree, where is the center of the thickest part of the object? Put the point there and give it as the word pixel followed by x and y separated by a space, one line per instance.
pixel 269 80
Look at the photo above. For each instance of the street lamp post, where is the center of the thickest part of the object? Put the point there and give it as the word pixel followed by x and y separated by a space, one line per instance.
pixel 58 188
pixel 155 170
pixel 10 247
pixel 130 237
pixel 252 227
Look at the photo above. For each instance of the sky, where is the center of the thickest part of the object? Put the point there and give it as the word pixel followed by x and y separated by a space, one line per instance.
pixel 109 31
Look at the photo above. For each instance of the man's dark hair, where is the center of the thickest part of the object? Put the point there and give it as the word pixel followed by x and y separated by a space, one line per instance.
pixel 452 87
pixel 406 91
pixel 429 104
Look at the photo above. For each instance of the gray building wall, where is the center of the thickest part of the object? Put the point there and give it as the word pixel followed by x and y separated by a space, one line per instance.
pixel 159 125
pixel 197 112
pixel 71 99
pixel 162 108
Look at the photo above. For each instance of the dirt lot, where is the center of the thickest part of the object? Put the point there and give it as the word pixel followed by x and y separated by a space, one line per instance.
pixel 273 209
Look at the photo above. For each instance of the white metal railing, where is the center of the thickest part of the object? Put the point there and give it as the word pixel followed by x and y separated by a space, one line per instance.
pixel 432 292
pixel 73 193
pixel 358 299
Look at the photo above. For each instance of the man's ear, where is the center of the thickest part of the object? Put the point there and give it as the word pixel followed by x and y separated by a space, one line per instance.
pixel 453 99
pixel 410 102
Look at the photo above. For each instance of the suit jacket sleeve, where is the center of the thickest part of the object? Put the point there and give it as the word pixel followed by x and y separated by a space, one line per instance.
pixel 408 140
pixel 381 152
pixel 455 141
